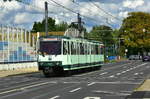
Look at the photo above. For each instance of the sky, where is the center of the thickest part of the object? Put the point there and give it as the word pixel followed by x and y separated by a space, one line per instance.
pixel 107 12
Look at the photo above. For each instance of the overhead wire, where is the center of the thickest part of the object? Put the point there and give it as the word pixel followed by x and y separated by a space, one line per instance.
pixel 92 2
pixel 59 5
pixel 71 10
pixel 97 13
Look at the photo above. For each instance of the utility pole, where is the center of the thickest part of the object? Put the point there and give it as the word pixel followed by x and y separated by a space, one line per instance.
pixel 79 23
pixel 46 18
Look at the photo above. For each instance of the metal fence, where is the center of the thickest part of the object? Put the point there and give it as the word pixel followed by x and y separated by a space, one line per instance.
pixel 16 45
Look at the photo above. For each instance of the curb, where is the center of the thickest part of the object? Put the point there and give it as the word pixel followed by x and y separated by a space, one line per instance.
pixel 6 73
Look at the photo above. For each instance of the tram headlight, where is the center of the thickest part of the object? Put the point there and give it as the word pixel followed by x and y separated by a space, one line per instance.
pixel 39 53
pixel 58 63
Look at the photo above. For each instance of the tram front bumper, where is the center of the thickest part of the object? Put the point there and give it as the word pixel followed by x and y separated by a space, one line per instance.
pixel 42 65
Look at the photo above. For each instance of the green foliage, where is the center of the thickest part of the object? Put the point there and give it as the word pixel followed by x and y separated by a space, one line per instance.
pixel 135 30
pixel 52 26
pixel 62 26
pixel 102 33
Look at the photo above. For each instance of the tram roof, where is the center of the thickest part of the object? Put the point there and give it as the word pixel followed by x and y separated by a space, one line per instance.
pixel 65 37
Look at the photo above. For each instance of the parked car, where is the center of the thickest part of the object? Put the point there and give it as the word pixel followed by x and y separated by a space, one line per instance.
pixel 146 58
pixel 135 57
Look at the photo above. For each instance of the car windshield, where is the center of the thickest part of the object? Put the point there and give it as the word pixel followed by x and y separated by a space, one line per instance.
pixel 51 47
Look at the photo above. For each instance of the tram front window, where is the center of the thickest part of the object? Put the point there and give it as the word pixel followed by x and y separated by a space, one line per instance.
pixel 51 47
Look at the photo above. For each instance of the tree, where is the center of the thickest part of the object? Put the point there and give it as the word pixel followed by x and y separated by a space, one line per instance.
pixel 40 26
pixel 135 30
pixel 52 26
pixel 102 33
pixel 62 26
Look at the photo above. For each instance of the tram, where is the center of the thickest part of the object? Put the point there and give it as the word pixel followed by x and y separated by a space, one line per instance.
pixel 59 54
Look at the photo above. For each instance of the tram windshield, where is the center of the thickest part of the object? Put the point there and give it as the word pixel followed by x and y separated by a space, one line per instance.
pixel 50 47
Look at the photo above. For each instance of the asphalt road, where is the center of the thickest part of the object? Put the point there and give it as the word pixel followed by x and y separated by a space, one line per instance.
pixel 113 81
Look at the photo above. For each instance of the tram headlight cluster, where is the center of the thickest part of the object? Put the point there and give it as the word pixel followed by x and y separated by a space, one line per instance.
pixel 42 53
pixel 57 63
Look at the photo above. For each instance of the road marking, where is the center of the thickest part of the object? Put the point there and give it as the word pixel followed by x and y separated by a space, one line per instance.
pixel 92 98
pixel 127 70
pixel 75 90
pixel 103 73
pixel 71 82
pixel 91 84
pixel 131 68
pixel 123 71
pixel 118 74
pixel 136 73
pixel 23 88
pixel 143 64
pixel 109 92
pixel 111 76
pixel 54 97
pixel 118 82
pixel 104 69
pixel 87 73
pixel 141 73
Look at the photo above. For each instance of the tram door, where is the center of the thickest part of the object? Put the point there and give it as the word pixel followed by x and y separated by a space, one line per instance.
pixel 66 52
pixel 74 57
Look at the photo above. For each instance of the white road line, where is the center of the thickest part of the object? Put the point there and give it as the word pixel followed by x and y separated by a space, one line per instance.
pixel 92 98
pixel 136 73
pixel 141 73
pixel 54 97
pixel 123 71
pixel 91 84
pixel 75 90
pixel 131 68
pixel 117 82
pixel 103 73
pixel 111 76
pixel 127 70
pixel 143 64
pixel 109 92
pixel 71 82
pixel 23 88
pixel 87 73
pixel 104 69
pixel 118 74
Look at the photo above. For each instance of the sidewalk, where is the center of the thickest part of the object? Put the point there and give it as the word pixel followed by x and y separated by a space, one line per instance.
pixel 4 73
pixel 145 86
pixel 142 92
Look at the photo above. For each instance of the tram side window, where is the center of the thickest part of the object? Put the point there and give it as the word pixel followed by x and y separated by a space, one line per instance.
pixel 93 49
pixel 99 49
pixel 69 48
pixel 85 49
pixel 89 49
pixel 102 50
pixel 73 48
pixel 78 48
pixel 96 49
pixel 81 49
pixel 65 48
